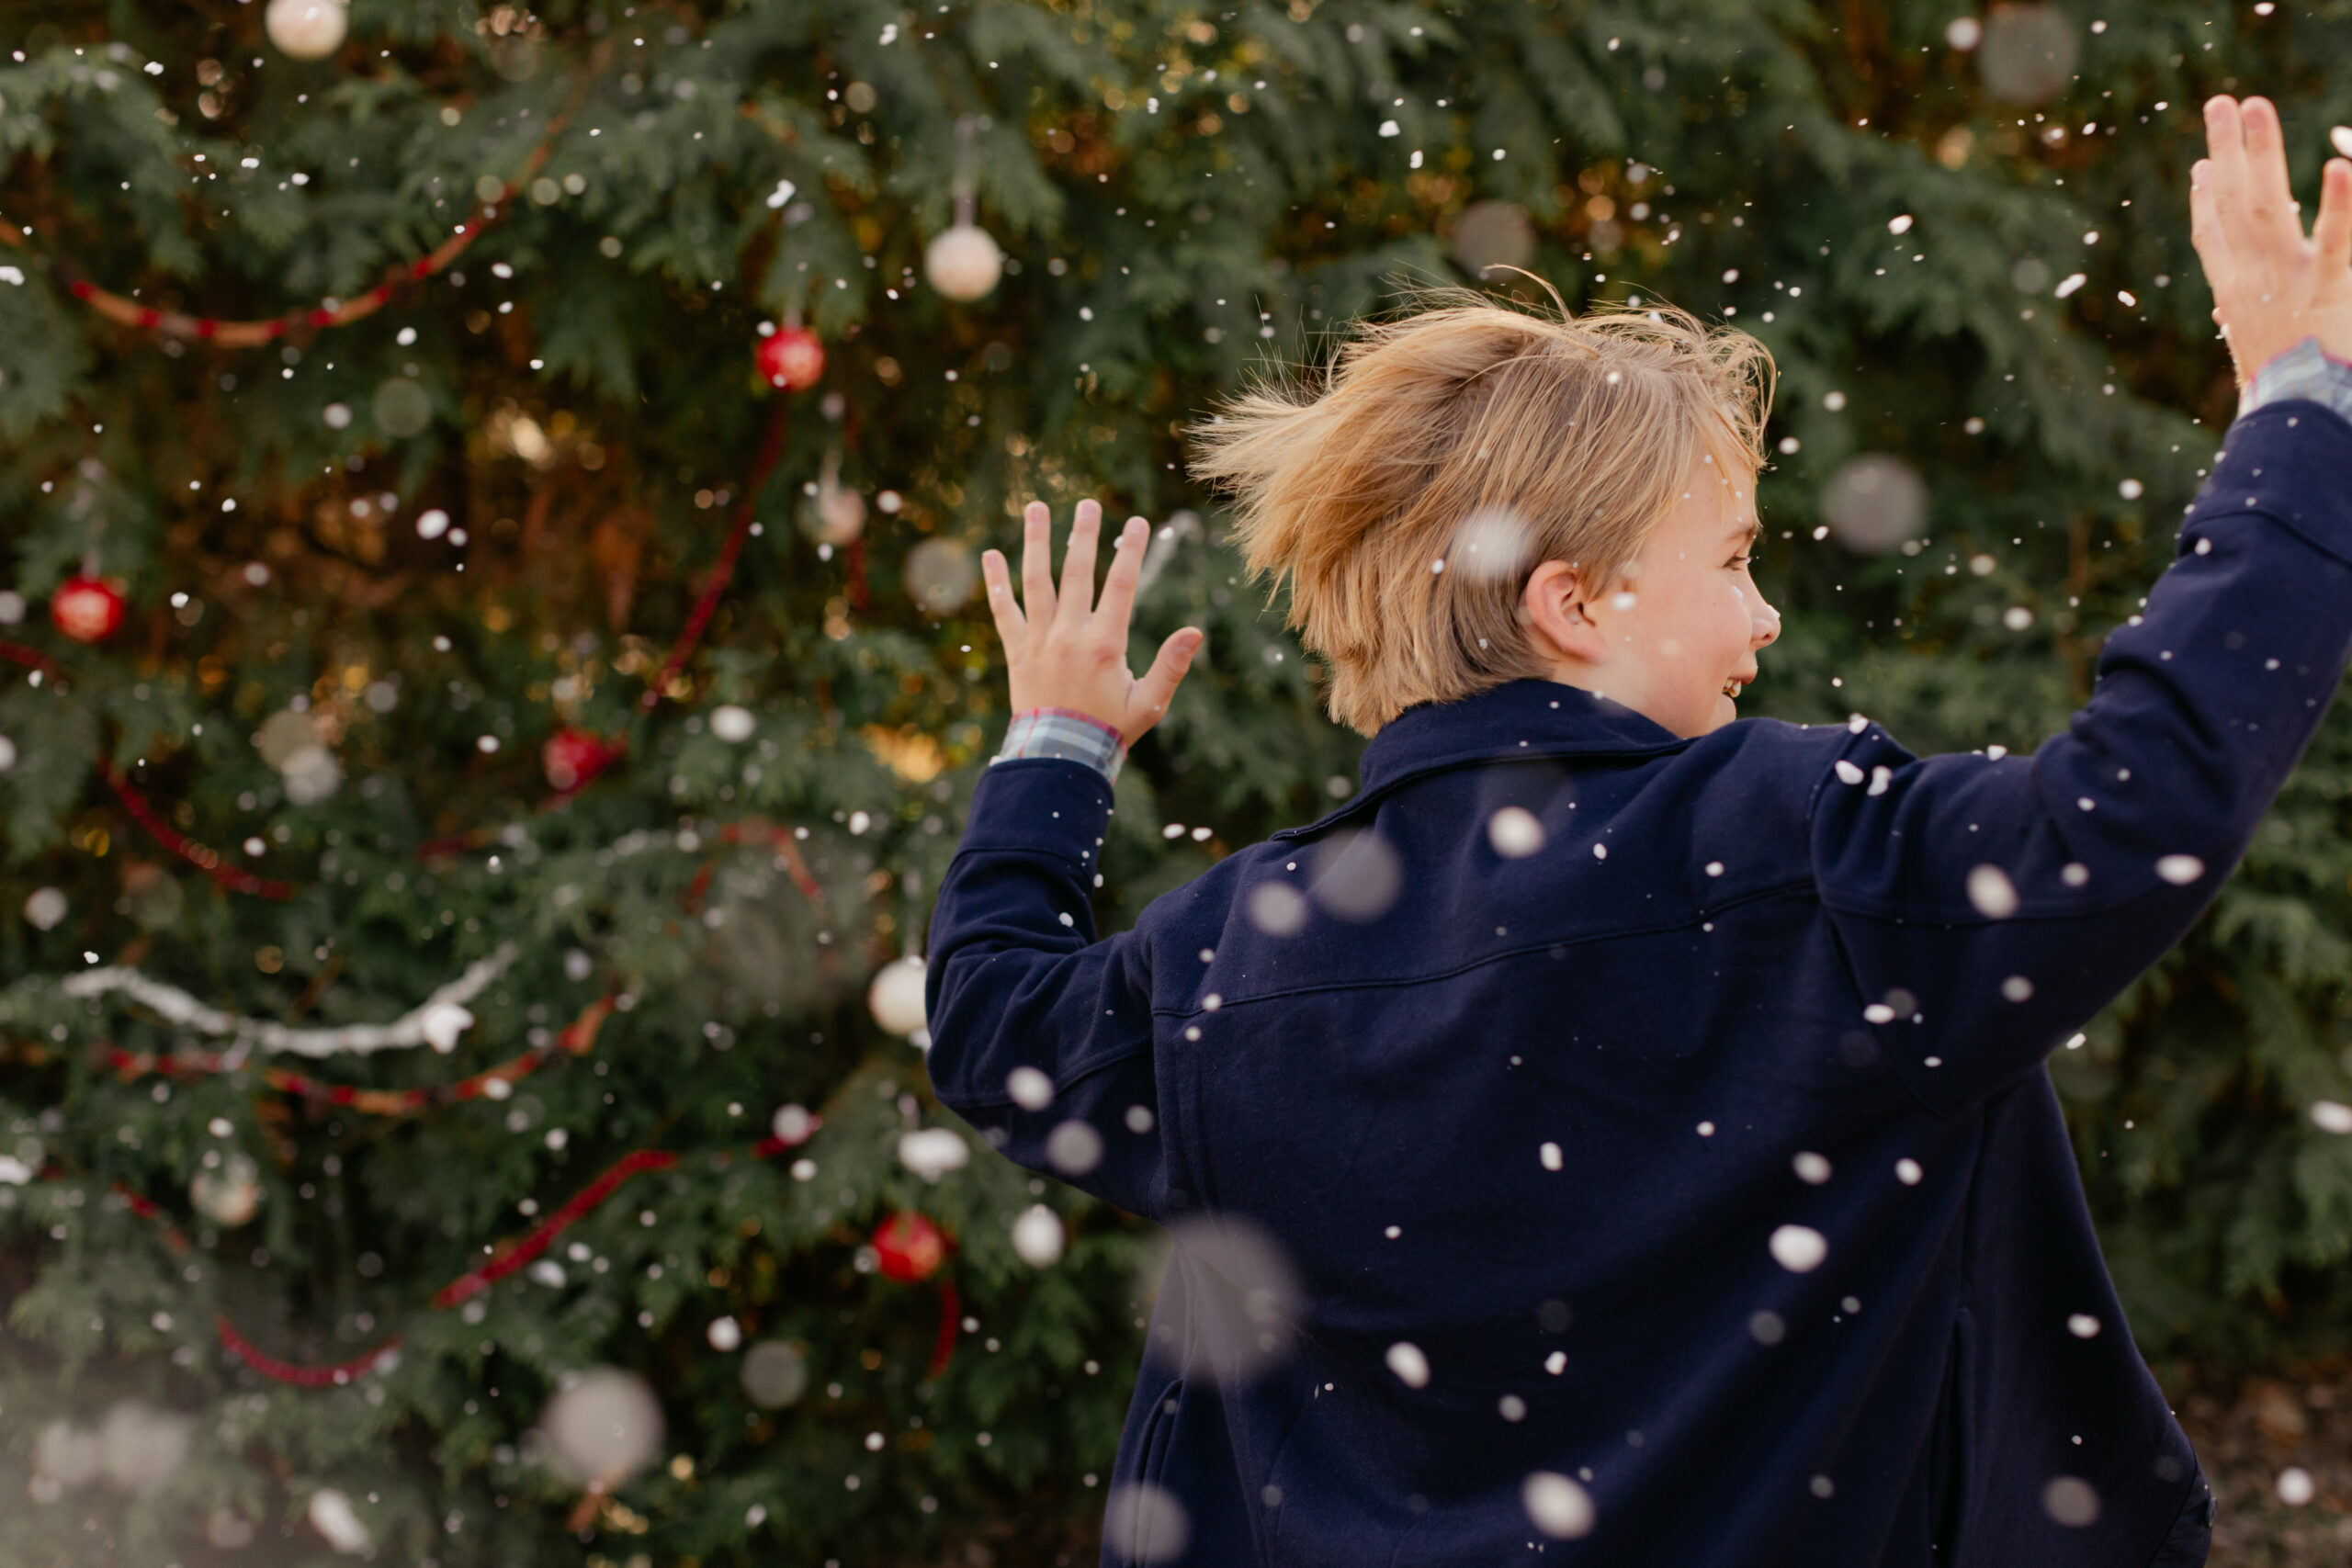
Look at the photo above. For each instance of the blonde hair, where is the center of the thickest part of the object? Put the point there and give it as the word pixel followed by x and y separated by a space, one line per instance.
pixel 1406 498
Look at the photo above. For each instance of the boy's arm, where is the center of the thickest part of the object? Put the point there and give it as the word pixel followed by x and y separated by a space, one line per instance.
pixel 1989 908
pixel 1034 1025
pixel 1041 1035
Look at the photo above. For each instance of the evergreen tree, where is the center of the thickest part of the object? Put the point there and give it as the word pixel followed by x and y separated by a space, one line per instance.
pixel 491 619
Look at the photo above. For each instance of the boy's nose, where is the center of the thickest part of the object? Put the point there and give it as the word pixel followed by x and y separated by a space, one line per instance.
pixel 1764 623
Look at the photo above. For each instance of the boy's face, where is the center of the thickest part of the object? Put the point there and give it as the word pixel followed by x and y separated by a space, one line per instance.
pixel 1687 621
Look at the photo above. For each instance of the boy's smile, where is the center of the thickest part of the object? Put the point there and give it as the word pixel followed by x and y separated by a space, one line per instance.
pixel 1677 640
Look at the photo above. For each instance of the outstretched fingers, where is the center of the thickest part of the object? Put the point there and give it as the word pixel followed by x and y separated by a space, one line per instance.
pixel 1012 626
pixel 1078 564
pixel 1119 584
pixel 1037 563
pixel 2333 231
pixel 1150 696
pixel 2206 235
pixel 2231 185
pixel 2270 199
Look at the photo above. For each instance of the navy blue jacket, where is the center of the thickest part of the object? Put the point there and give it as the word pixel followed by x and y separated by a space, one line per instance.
pixel 1569 1124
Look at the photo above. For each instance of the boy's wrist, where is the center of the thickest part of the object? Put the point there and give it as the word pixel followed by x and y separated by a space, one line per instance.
pixel 2304 369
pixel 1064 733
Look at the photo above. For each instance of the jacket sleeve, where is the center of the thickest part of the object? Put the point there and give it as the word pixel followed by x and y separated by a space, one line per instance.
pixel 1016 980
pixel 1990 908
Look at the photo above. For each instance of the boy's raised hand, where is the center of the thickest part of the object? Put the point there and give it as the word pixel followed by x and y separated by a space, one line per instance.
pixel 1066 651
pixel 2272 287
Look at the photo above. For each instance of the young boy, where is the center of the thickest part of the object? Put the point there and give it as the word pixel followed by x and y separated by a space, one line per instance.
pixel 1619 1135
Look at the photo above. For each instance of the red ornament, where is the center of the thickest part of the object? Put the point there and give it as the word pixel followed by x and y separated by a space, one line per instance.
pixel 793 358
pixel 908 1248
pixel 573 757
pixel 87 609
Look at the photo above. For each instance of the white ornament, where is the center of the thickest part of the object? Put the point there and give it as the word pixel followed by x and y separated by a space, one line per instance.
pixel 963 262
pixel 604 1426
pixel 775 1373
pixel 330 1511
pixel 725 1334
pixel 45 907
pixel 229 1196
pixel 941 574
pixel 442 1023
pixel 8 753
pixel 792 1124
pixel 896 996
pixel 311 775
pixel 1037 1236
pixel 733 724
pixel 307 30
pixel 841 511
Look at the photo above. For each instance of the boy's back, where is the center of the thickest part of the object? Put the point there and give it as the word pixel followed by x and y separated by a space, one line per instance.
pixel 1601 1141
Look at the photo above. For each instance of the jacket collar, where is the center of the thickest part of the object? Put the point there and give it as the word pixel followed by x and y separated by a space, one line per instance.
pixel 1515 721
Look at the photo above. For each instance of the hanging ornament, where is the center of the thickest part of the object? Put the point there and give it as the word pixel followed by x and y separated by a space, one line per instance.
pixel 307 30
pixel 228 1196
pixel 963 262
pixel 908 1248
pixel 841 511
pixel 44 906
pixel 603 1426
pixel 87 608
pixel 791 358
pixel 775 1374
pixel 942 574
pixel 896 998
pixel 573 757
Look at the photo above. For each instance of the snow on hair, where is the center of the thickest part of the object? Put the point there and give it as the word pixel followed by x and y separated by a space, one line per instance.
pixel 1404 494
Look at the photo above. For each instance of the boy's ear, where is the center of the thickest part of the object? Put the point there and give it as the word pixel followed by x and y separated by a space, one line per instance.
pixel 1553 604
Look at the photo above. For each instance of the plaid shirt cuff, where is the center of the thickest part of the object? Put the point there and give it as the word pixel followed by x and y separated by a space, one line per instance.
pixel 2303 371
pixel 1064 732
